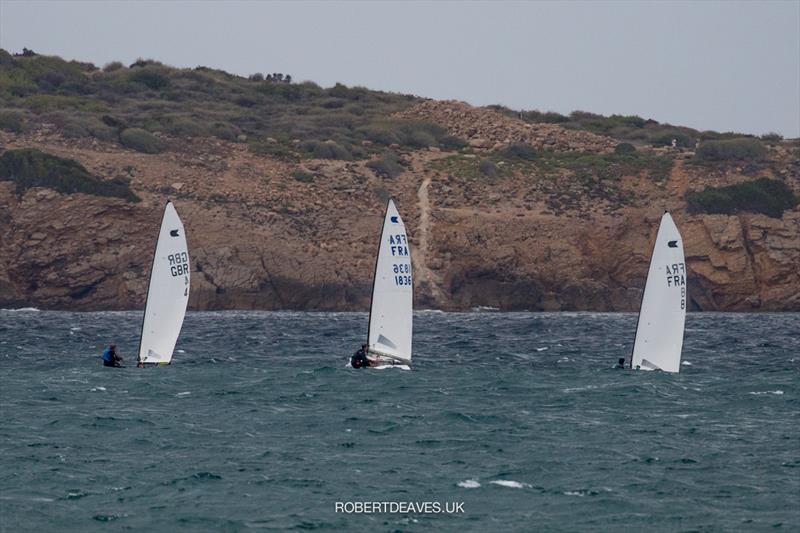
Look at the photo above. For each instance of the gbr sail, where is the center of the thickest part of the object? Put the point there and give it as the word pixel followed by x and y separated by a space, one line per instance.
pixel 168 292
pixel 390 317
pixel 659 333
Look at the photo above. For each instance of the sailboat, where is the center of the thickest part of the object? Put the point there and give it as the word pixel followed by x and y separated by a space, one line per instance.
pixel 390 317
pixel 659 332
pixel 168 292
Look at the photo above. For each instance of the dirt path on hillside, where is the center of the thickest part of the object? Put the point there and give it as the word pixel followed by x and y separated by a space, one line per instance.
pixel 678 180
pixel 423 272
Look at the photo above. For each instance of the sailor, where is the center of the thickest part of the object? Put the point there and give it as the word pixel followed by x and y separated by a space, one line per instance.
pixel 111 357
pixel 359 359
pixel 620 363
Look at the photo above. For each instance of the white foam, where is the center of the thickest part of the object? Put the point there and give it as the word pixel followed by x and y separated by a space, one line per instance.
pixel 509 483
pixel 401 367
pixel 468 484
pixel 776 392
pixel 186 393
pixel 24 310
pixel 578 389
pixel 686 363
pixel 574 493
pixel 96 389
pixel 542 349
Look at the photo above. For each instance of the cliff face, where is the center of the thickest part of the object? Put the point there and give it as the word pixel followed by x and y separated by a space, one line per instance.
pixel 525 238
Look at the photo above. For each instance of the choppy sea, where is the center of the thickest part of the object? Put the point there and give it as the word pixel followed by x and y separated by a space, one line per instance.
pixel 518 417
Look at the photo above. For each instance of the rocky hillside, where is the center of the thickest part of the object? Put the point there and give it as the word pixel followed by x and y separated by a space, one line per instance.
pixel 502 212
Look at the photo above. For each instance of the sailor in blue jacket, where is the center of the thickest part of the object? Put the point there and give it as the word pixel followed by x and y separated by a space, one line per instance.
pixel 111 357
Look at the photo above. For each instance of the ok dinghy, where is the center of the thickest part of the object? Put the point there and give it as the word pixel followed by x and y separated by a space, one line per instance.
pixel 659 332
pixel 168 292
pixel 390 316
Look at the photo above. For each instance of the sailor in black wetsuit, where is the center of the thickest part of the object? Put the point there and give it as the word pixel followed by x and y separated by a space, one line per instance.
pixel 620 363
pixel 359 359
pixel 111 357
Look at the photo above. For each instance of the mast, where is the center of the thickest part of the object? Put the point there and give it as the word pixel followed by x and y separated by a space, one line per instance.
pixel 641 301
pixel 149 281
pixel 375 270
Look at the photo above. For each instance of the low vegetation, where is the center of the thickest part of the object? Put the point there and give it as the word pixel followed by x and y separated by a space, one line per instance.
pixel 29 168
pixel 763 195
pixel 129 104
pixel 387 166
pixel 626 128
pixel 731 150
pixel 141 141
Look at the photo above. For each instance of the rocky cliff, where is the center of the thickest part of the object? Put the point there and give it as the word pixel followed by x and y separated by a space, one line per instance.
pixel 543 235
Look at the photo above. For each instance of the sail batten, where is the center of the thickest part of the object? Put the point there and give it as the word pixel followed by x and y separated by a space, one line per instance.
pixel 167 293
pixel 659 332
pixel 390 321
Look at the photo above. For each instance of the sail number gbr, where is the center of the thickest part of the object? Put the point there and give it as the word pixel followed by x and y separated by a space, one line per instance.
pixel 178 264
pixel 402 274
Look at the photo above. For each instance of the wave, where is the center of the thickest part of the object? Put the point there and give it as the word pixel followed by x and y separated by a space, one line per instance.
pixel 509 483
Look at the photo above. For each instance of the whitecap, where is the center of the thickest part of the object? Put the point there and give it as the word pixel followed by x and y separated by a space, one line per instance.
pixel 469 484
pixel 760 393
pixel 686 363
pixel 96 389
pixel 186 393
pixel 24 310
pixel 401 367
pixel 542 349
pixel 509 483
pixel 180 351
pixel 578 389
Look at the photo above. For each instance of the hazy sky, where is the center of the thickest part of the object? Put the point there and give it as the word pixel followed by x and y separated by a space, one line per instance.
pixel 710 65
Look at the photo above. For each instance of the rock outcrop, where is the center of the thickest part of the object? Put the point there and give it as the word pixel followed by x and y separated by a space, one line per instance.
pixel 260 239
pixel 489 130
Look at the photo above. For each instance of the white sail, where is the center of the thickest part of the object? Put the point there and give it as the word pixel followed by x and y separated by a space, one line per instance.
pixel 390 317
pixel 168 293
pixel 659 333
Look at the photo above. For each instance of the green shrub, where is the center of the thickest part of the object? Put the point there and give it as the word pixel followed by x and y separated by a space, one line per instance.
pixel 29 168
pixel 387 166
pixel 272 149
pixel 665 138
pixel 327 150
pixel 763 195
pixel 451 142
pixel 742 149
pixel 141 141
pixel 225 131
pixel 488 168
pixel 151 77
pixel 186 127
pixel 303 176
pixel 772 137
pixel 624 148
pixel 11 120
pixel 522 151
pixel 111 67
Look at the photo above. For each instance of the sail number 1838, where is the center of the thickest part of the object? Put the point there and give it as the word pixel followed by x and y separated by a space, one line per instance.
pixel 402 274
pixel 178 264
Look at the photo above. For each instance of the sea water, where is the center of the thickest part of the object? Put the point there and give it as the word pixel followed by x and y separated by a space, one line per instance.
pixel 519 418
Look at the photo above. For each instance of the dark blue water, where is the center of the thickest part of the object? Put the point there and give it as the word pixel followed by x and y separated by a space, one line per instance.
pixel 258 424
